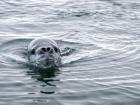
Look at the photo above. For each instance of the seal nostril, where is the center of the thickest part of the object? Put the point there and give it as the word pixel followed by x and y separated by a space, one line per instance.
pixel 48 49
pixel 43 49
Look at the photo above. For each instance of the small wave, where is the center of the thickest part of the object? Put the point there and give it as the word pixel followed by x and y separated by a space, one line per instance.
pixel 13 52
pixel 74 14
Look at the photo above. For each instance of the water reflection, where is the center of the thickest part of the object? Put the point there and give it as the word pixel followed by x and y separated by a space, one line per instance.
pixel 47 76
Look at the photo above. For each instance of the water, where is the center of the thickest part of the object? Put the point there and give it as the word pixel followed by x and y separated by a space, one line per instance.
pixel 101 36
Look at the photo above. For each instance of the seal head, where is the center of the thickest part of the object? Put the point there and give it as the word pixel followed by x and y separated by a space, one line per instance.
pixel 44 53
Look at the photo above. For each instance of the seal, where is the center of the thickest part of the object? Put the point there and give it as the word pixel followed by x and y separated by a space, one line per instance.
pixel 43 52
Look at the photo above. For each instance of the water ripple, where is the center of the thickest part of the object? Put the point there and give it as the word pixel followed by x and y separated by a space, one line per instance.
pixel 99 41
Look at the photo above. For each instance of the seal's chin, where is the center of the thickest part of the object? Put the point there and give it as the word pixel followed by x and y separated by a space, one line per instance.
pixel 44 66
pixel 47 63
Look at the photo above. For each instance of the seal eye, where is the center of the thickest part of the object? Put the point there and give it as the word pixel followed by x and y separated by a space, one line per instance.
pixel 33 51
pixel 56 49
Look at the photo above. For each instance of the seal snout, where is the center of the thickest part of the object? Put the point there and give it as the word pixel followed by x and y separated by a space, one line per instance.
pixel 48 50
pixel 48 53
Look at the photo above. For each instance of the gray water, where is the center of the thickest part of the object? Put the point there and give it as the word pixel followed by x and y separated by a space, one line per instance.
pixel 103 41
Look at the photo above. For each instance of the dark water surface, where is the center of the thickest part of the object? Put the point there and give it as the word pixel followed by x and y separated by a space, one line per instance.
pixel 103 41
